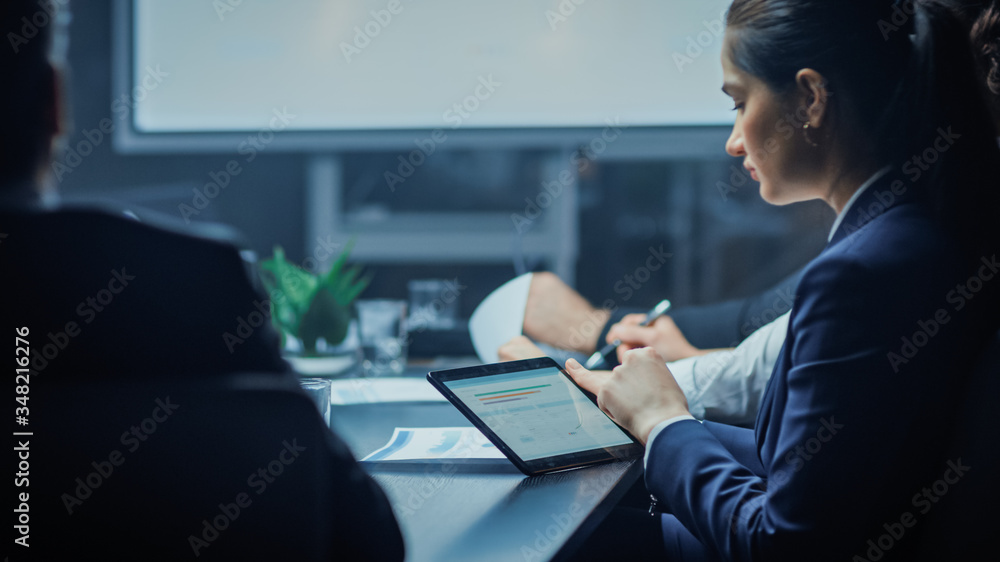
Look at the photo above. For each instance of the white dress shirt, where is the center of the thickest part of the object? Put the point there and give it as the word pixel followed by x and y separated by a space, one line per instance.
pixel 726 386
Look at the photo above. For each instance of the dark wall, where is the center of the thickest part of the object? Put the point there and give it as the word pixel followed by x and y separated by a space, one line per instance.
pixel 725 242
pixel 264 201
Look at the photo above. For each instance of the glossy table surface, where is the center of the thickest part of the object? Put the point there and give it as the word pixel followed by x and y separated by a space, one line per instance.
pixel 453 511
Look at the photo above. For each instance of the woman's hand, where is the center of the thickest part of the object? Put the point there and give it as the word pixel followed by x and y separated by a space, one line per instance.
pixel 664 336
pixel 591 381
pixel 639 394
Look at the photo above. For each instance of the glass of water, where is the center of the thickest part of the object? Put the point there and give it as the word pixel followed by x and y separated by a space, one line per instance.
pixel 433 304
pixel 319 391
pixel 382 331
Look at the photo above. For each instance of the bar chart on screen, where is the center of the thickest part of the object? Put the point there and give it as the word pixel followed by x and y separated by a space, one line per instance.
pixel 538 413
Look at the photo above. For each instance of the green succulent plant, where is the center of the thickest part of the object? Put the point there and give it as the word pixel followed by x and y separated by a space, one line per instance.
pixel 311 306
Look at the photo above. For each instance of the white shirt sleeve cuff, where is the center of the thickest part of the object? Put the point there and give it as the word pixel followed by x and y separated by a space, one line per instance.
pixel 684 371
pixel 656 431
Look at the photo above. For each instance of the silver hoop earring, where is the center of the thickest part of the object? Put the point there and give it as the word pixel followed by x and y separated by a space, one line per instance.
pixel 805 133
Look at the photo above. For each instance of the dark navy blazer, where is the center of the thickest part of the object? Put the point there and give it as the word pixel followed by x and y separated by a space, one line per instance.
pixel 108 298
pixel 850 447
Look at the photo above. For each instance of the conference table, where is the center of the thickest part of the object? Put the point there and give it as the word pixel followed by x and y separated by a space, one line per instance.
pixel 453 510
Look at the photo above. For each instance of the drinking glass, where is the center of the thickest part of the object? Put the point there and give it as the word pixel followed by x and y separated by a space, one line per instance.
pixel 319 391
pixel 382 330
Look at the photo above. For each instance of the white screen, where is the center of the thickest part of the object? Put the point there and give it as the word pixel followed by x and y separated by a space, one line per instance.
pixel 644 62
pixel 538 413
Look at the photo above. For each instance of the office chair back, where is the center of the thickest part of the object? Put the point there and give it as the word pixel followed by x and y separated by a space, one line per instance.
pixel 220 469
pixel 962 523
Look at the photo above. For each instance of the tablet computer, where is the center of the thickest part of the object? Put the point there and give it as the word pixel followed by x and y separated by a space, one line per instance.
pixel 536 415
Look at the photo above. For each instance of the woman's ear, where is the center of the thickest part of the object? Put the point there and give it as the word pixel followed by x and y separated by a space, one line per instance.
pixel 813 97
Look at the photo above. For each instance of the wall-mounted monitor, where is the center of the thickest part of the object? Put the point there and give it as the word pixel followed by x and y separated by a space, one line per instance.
pixel 348 75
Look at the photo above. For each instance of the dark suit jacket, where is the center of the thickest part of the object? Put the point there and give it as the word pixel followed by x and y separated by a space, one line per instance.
pixel 104 294
pixel 851 441
pixel 107 297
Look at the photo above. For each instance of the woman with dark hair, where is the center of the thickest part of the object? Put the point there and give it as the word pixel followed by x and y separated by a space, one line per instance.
pixel 986 36
pixel 873 107
pixel 983 16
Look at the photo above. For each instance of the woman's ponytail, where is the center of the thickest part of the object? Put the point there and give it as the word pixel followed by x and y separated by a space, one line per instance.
pixel 950 128
pixel 986 46
pixel 904 76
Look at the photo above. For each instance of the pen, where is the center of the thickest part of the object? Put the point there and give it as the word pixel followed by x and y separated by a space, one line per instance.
pixel 599 356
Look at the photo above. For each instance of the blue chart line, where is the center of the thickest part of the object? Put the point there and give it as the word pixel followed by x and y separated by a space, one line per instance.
pixel 449 441
pixel 557 403
pixel 402 439
pixel 521 409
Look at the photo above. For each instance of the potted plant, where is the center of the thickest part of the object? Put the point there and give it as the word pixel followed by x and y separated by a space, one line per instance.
pixel 313 309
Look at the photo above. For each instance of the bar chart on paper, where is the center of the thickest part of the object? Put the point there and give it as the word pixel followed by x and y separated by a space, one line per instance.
pixel 538 413
pixel 410 443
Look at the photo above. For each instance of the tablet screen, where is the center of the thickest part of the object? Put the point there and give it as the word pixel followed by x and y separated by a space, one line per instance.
pixel 538 413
